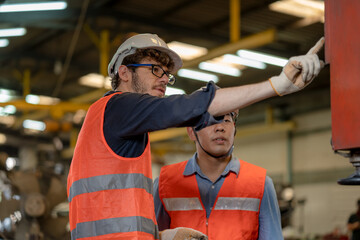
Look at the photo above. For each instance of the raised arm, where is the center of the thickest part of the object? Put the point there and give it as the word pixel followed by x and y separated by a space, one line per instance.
pixel 230 99
pixel 299 72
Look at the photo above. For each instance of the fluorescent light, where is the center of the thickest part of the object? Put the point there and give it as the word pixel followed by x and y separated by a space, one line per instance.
pixel 5 98
pixel 266 58
pixel 12 32
pixel 187 51
pixel 7 120
pixel 4 42
pixel 300 8
pixel 25 7
pixel 9 109
pixel 172 91
pixel 34 125
pixel 220 69
pixel 32 99
pixel 6 95
pixel 229 58
pixel 42 100
pixel 10 163
pixel 6 91
pixel 196 75
pixel 95 80
pixel 2 138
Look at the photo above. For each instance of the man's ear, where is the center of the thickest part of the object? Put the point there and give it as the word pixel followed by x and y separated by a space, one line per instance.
pixel 124 73
pixel 191 134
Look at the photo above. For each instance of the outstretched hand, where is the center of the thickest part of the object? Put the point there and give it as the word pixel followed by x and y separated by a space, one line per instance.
pixel 299 71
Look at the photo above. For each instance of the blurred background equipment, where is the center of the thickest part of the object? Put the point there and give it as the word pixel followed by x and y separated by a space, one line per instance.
pixel 31 192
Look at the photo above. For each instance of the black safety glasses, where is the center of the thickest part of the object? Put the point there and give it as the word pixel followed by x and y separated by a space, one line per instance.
pixel 156 70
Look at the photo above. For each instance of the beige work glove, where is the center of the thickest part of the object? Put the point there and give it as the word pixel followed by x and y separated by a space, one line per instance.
pixel 182 233
pixel 299 71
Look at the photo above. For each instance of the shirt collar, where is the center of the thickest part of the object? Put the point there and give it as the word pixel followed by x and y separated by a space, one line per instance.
pixel 193 167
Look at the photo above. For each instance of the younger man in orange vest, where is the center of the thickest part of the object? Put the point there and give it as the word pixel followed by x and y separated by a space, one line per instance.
pixel 216 193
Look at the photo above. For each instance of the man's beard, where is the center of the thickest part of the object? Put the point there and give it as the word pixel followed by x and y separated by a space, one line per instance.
pixel 140 88
pixel 136 84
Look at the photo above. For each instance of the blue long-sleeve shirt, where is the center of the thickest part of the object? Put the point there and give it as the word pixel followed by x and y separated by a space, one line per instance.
pixel 269 216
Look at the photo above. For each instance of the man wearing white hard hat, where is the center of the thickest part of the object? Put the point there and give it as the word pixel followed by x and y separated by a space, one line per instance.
pixel 110 178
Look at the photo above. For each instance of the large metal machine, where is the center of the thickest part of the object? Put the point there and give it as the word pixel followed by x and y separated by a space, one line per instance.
pixel 342 51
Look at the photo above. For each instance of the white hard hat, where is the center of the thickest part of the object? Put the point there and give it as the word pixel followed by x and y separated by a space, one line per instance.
pixel 145 40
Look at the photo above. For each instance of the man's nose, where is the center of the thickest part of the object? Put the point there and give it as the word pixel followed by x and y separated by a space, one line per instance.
pixel 164 79
pixel 219 127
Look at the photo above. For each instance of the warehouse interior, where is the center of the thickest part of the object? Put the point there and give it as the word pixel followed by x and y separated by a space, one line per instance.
pixel 43 83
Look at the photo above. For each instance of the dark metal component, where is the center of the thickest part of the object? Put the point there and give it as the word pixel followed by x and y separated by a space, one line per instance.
pixel 354 158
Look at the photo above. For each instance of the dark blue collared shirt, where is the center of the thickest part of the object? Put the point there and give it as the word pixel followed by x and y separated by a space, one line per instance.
pixel 269 217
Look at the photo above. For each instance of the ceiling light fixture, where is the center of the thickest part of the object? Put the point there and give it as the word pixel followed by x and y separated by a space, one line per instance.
pixel 218 68
pixel 6 95
pixel 2 138
pixel 12 32
pixel 7 110
pixel 34 125
pixel 173 91
pixel 300 8
pixel 4 42
pixel 41 100
pixel 266 58
pixel 7 120
pixel 196 75
pixel 95 80
pixel 229 58
pixel 11 162
pixel 39 6
pixel 187 51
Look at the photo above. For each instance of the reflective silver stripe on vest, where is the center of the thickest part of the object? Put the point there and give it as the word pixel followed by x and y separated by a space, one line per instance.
pixel 234 203
pixel 114 225
pixel 182 204
pixel 109 182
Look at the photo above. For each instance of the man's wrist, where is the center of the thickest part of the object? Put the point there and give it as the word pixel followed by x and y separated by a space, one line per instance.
pixel 282 85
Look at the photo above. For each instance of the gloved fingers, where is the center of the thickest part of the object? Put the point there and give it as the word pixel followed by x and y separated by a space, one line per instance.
pixel 182 233
pixel 306 68
pixel 313 61
pixel 317 47
pixel 318 66
pixel 188 233
pixel 311 67
pixel 322 64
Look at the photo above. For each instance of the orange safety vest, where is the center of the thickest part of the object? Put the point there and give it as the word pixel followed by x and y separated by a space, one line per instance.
pixel 235 214
pixel 110 196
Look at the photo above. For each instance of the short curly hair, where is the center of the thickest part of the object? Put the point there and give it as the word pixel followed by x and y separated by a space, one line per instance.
pixel 139 55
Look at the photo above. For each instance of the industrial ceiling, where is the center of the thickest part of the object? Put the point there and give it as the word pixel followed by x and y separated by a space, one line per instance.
pixel 61 46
